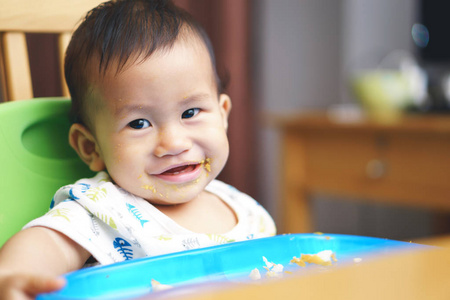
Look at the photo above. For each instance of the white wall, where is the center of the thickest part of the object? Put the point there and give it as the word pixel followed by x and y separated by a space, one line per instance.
pixel 371 30
pixel 303 52
pixel 296 66
pixel 297 57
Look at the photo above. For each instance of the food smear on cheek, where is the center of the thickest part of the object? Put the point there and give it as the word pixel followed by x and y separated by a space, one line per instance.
pixel 153 190
pixel 180 192
pixel 206 163
pixel 149 187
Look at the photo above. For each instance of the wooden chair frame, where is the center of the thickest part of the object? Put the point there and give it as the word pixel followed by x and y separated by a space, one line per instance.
pixel 18 17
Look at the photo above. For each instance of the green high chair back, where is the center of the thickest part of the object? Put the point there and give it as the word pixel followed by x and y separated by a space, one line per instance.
pixel 35 159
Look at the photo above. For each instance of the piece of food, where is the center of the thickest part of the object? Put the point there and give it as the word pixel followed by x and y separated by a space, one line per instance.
pixel 270 266
pixel 255 274
pixel 272 270
pixel 157 286
pixel 322 258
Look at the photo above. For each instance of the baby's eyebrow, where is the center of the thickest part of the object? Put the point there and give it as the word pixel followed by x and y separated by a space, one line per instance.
pixel 196 98
pixel 122 107
pixel 129 108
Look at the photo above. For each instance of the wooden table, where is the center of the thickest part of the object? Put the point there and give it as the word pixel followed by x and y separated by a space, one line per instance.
pixel 404 161
pixel 415 275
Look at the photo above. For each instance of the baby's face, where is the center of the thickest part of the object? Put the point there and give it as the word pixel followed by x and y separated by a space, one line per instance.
pixel 161 129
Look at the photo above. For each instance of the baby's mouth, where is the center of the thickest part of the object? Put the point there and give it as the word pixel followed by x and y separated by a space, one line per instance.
pixel 180 170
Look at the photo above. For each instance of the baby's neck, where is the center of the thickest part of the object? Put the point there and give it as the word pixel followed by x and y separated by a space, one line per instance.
pixel 207 213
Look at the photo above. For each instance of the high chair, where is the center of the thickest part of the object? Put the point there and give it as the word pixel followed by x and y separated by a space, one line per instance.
pixel 35 158
pixel 18 17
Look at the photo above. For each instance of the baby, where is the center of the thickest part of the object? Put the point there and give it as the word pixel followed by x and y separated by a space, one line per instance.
pixel 150 117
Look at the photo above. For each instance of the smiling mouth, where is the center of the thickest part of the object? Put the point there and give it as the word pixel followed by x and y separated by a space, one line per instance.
pixel 180 170
pixel 189 172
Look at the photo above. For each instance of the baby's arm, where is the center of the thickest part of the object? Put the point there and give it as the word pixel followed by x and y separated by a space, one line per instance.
pixel 32 260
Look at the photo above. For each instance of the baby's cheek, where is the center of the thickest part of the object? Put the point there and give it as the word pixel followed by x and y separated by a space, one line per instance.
pixel 218 158
pixel 117 153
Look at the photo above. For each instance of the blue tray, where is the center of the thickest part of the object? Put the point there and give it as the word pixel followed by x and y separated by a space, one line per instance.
pixel 229 262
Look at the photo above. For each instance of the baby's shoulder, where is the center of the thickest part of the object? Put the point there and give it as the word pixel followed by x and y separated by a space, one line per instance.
pixel 97 184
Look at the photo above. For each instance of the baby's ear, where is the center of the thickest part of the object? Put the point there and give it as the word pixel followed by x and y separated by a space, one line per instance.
pixel 225 108
pixel 84 143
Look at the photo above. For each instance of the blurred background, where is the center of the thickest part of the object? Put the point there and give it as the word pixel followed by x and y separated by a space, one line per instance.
pixel 304 57
pixel 289 56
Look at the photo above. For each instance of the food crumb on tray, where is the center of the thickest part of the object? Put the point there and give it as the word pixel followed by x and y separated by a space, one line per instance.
pixel 322 258
pixel 273 270
pixel 255 274
pixel 157 286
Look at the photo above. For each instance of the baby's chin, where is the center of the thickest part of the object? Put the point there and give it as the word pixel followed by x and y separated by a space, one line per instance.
pixel 171 194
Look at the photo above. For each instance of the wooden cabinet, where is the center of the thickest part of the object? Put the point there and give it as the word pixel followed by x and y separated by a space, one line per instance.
pixel 405 162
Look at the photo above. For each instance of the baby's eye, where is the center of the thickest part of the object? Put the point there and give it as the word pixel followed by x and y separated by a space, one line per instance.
pixel 190 113
pixel 139 124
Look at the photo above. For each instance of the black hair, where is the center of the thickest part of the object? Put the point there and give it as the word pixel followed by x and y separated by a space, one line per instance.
pixel 116 34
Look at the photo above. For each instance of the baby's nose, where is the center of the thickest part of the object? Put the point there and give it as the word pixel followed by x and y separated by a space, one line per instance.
pixel 172 141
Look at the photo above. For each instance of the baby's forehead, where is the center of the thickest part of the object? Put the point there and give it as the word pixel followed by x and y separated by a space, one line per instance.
pixel 118 64
pixel 193 42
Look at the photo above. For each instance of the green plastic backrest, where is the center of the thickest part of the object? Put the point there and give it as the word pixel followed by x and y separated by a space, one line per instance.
pixel 35 159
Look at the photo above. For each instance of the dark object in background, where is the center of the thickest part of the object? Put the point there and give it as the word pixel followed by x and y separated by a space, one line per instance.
pixel 434 15
pixel 435 56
